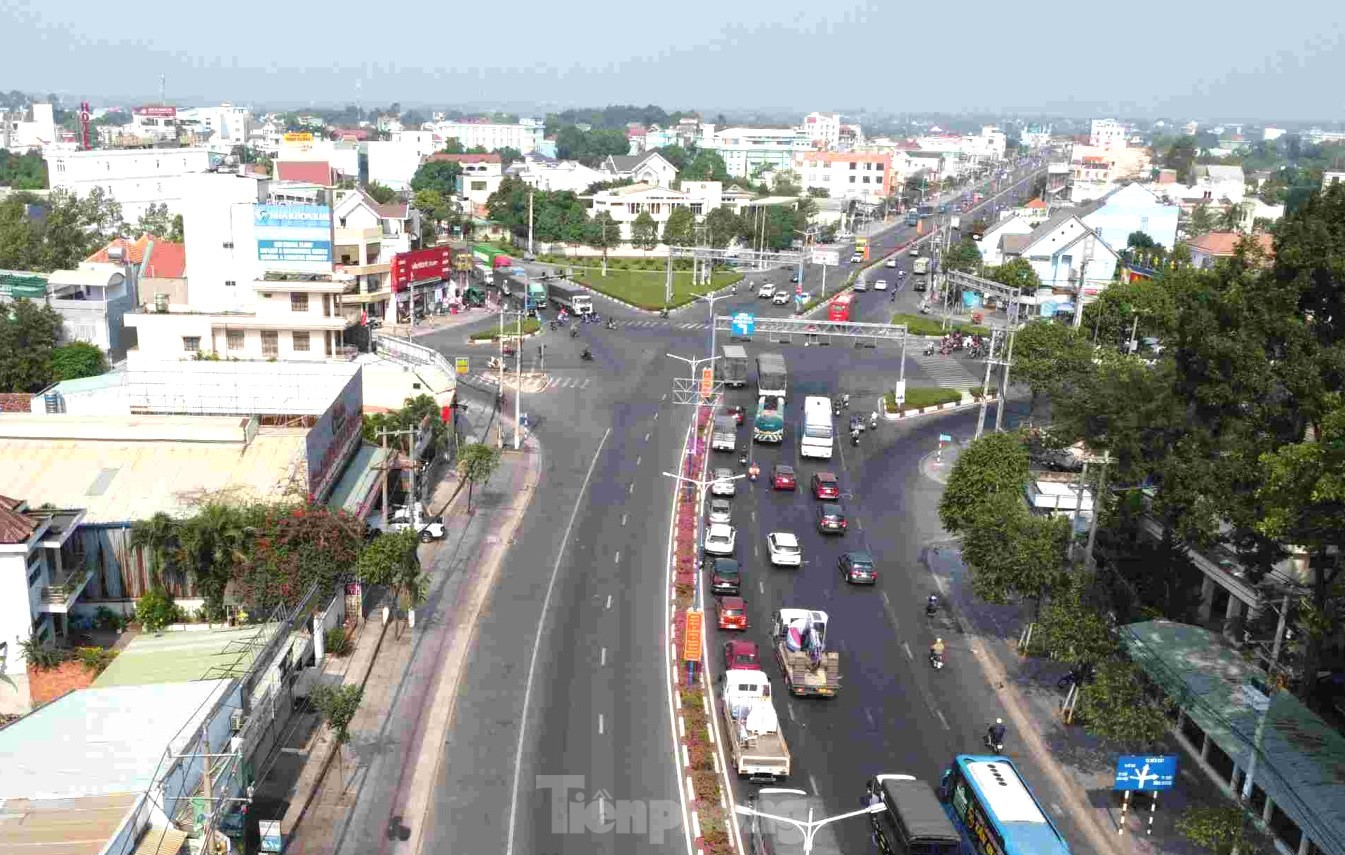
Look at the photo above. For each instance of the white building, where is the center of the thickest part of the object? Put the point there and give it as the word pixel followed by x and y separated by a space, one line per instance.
pixel 393 163
pixel 154 123
pixel 526 136
pixel 34 128
pixel 344 157
pixel 91 299
pixel 1269 134
pixel 747 151
pixel 648 168
pixel 864 176
pixel 1107 134
pixel 1063 250
pixel 556 176
pixel 1096 171
pixel 1329 178
pixel 221 128
pixel 136 178
pixel 368 237
pixel 823 129
pixel 1220 185
pixel 480 176
pixel 1034 137
pixel 1133 208
pixel 628 202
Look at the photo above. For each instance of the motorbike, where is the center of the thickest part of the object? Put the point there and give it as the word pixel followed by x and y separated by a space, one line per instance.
pixel 1077 674
pixel 873 420
pixel 552 326
pixel 663 313
pixel 929 349
pixel 932 606
pixel 936 660
pixel 992 744
pixel 854 437
pixel 845 401
pixel 587 356
pixel 742 461
pixel 611 324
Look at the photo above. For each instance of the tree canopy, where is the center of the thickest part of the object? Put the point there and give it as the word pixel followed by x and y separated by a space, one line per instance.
pixel 590 147
pixel 27 171
pixel 58 232
pixel 994 465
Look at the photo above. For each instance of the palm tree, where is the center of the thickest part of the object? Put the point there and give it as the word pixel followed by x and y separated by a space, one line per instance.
pixel 415 585
pixel 215 542
pixel 1230 218
pixel 160 537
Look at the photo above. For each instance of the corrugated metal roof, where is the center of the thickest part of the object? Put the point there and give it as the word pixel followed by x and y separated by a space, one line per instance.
pixel 82 826
pixel 1301 758
pixel 180 657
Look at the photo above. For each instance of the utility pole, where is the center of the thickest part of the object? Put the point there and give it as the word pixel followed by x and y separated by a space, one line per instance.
pixel 985 384
pixel 518 386
pixel 1004 383
pixel 530 193
pixel 1089 562
pixel 383 435
pixel 1083 279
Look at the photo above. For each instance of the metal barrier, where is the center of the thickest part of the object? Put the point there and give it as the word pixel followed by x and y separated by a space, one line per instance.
pixel 408 351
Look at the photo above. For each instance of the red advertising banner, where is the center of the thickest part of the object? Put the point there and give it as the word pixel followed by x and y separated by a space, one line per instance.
pixel 421 265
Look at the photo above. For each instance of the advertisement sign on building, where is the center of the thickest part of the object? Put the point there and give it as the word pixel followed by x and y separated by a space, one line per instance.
pixel 421 265
pixel 157 112
pixel 331 442
pixel 293 233
pixel 298 137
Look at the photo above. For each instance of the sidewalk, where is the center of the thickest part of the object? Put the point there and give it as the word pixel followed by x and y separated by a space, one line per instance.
pixel 380 789
pixel 1079 765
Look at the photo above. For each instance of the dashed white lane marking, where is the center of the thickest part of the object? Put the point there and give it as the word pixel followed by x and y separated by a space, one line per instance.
pixel 600 724
pixel 602 660
pixel 655 416
pixel 646 437
pixel 886 601
pixel 942 720
pixel 616 559
pixel 790 708
pixel 868 714
pixel 907 648
pixel 609 601
pixel 812 780
pixel 638 460
pixel 761 586
pixel 631 491
pixel 623 519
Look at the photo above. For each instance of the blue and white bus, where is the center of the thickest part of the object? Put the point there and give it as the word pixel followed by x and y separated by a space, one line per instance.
pixel 995 811
pixel 816 437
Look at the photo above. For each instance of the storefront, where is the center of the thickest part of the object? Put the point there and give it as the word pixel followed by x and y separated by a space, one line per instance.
pixel 420 281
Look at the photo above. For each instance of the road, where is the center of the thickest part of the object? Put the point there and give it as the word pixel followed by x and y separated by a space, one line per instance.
pixel 583 587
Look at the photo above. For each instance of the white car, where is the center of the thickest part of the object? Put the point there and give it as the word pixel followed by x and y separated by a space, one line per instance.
pixel 720 539
pixel 880 285
pixel 915 252
pixel 861 285
pixel 857 258
pixel 892 262
pixel 784 549
pixel 724 484
pixel 766 290
pixel 721 511
pixel 781 299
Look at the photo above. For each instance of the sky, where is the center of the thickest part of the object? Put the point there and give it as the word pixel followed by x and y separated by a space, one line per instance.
pixel 1141 58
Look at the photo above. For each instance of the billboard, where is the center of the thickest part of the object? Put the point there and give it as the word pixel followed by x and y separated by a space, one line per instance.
pixel 298 137
pixel 331 442
pixel 158 112
pixel 421 265
pixel 293 233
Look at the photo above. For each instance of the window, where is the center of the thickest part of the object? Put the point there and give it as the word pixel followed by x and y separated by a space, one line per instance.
pixel 298 302
pixel 300 340
pixel 235 339
pixel 852 179
pixel 478 185
pixel 866 179
pixel 191 343
pixel 228 244
pixel 34 569
pixel 854 165
pixel 270 343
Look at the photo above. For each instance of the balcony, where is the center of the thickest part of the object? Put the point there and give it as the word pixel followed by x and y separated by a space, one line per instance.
pixel 66 586
pixel 358 269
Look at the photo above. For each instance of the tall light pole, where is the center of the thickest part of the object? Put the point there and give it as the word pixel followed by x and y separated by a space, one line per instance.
pixel 810 827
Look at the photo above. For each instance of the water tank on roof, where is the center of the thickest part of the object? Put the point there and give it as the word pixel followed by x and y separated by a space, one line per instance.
pixel 161 303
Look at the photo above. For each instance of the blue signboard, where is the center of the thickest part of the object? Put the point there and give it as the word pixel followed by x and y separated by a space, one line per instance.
pixel 1137 772
pixel 294 250
pixel 292 216
pixel 293 233
pixel 744 323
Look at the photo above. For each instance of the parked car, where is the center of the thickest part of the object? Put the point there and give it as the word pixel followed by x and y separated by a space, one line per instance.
pixel 726 576
pixel 825 486
pixel 858 568
pixel 720 538
pixel 794 278
pixel 891 261
pixel 721 511
pixel 857 258
pixel 830 518
pixel 784 549
pixel 920 284
pixel 741 656
pixel 915 251
pixel 724 484
pixel 732 613
pixel 783 477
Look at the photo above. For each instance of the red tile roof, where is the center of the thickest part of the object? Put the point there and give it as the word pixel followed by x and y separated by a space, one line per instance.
pixel 15 525
pixel 1035 203
pixel 15 402
pixel 1222 244
pixel 491 157
pixel 167 260
pixel 306 171
pixel 359 134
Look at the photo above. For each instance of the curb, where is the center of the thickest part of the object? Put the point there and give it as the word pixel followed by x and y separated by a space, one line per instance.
pixel 634 308
pixel 937 408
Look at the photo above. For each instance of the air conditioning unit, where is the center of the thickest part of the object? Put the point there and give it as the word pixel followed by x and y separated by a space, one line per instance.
pixel 236 721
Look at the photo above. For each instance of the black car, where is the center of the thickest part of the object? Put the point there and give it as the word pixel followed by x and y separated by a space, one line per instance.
pixel 830 518
pixel 794 278
pixel 726 576
pixel 858 567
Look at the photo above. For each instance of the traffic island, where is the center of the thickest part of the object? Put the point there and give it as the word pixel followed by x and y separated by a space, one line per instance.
pixel 531 327
pixel 922 401
pixel 644 289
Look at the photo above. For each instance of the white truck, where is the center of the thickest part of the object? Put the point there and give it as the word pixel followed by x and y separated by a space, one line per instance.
pixel 809 669
pixel 427 528
pixel 724 437
pixel 921 266
pixel 571 297
pixel 758 748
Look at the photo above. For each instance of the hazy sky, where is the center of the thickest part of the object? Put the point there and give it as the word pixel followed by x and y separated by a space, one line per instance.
pixel 1283 60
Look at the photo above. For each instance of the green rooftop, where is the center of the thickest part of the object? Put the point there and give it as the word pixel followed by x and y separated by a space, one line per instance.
pixel 1301 761
pixel 16 286
pixel 186 655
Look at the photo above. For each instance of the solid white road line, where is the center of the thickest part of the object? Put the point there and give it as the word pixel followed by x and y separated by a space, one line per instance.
pixel 537 645
pixel 600 724
pixel 907 648
pixel 939 713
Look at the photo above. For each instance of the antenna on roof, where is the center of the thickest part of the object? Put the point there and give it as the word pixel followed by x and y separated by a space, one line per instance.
pixel 163 79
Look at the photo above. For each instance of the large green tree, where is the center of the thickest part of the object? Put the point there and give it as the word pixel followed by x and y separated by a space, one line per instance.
pixel 644 231
pixel 721 227
pixel 1116 707
pixel 28 335
pixel 439 175
pixel 75 360
pixel 1050 357
pixel 1146 307
pixel 604 233
pixel 677 229
pixel 216 541
pixel 992 466
pixel 965 255
pixel 1012 553
pixel 26 171
pixel 58 232
pixel 1016 273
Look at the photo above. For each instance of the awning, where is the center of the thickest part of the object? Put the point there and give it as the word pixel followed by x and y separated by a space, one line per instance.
pixel 358 489
pixel 161 841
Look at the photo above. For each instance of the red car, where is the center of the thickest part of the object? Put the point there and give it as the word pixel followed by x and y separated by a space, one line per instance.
pixel 732 613
pixel 826 487
pixel 741 655
pixel 782 477
pixel 738 413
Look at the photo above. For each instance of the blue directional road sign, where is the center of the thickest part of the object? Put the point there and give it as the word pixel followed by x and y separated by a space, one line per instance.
pixel 744 323
pixel 1137 772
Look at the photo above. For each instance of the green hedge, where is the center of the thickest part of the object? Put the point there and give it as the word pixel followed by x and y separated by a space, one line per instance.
pixel 529 326
pixel 933 325
pixel 919 397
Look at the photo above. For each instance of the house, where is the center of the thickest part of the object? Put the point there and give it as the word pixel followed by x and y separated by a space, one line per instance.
pixel 996 241
pixel 1329 178
pixel 628 202
pixel 157 266
pixel 649 168
pixel 1220 185
pixel 92 301
pixel 369 236
pixel 480 177
pixel 1208 249
pixel 556 176
pixel 1063 252
pixel 1133 208
pixel 1034 212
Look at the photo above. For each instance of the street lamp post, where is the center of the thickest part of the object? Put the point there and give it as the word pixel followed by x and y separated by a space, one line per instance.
pixel 810 826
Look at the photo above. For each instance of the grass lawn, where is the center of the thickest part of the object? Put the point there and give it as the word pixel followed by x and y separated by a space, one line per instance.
pixel 918 397
pixel 529 326
pixel 644 288
pixel 931 325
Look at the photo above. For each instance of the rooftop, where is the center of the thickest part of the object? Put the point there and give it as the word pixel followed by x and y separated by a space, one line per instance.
pixel 158 258
pixel 1302 759
pixel 1226 243
pixel 81 826
pixel 16 525
pixel 489 157
pixel 308 171
pixel 98 742
pixel 182 657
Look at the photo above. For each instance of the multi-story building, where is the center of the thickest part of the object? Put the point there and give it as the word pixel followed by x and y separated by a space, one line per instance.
pixel 154 123
pixel 136 178
pixel 1096 171
pixel 556 176
pixel 92 300
pixel 218 128
pixel 628 202
pixel 648 168
pixel 823 130
pixel 1220 185
pixel 1107 134
pixel 393 163
pixel 866 177
pixel 34 128
pixel 480 177
pixel 1035 137
pixel 750 151
pixel 525 136
pixel 347 158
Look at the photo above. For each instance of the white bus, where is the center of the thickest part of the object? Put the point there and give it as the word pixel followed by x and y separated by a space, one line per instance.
pixel 817 435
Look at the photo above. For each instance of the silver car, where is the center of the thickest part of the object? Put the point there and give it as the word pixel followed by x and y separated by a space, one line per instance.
pixel 721 511
pixel 723 485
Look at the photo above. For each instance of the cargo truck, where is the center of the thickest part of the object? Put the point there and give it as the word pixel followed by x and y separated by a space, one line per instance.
pixel 537 296
pixel 809 669
pixel 755 743
pixel 491 257
pixel 724 437
pixel 772 385
pixel 920 267
pixel 572 298
pixel 733 365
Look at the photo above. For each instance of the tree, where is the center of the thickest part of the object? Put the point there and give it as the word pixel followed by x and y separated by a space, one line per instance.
pixel 1115 706
pixel 1072 627
pixel 431 204
pixel 705 165
pixel 1015 273
pixel 508 155
pixel 296 546
pixel 337 705
pixel 604 234
pixel 392 561
pixel 1050 357
pixel 1145 306
pixel 380 193
pixel 155 221
pixel 215 542
pixel 160 536
pixel 27 171
pixel 995 464
pixel 1202 221
pixel 1181 156
pixel 73 227
pixel 476 463
pixel 1013 553
pixel 1229 219
pixel 965 255
pixel 440 175
pixel 77 359
pixel 1223 829
pixel 722 225
pixel 677 228
pixel 28 335
pixel 644 231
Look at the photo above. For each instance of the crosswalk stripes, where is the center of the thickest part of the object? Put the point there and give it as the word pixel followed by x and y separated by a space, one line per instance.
pixel 946 371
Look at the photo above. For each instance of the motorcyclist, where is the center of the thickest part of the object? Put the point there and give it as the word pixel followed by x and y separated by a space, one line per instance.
pixel 845 401
pixel 586 355
pixel 873 419
pixel 995 733
pixel 854 437
pixel 753 471
pixel 751 287
pixel 574 330
pixel 735 288
pixel 932 604
pixel 936 651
